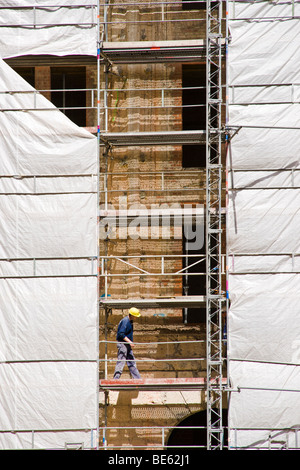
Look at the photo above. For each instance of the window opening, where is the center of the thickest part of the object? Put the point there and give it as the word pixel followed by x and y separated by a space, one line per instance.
pixel 198 5
pixel 193 117
pixel 28 73
pixel 189 5
pixel 194 284
pixel 70 81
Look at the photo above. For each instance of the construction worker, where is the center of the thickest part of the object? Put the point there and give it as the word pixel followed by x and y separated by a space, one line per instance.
pixel 125 345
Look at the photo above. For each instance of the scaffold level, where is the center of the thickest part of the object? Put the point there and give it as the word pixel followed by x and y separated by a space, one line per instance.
pixel 161 215
pixel 155 138
pixel 51 60
pixel 155 51
pixel 184 301
pixel 156 384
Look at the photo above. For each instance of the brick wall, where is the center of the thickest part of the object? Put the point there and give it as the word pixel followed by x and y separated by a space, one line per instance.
pixel 43 80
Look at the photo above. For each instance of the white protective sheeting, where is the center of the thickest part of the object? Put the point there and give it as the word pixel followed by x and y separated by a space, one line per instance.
pixel 266 417
pixel 42 27
pixel 264 223
pixel 39 393
pixel 34 150
pixel 48 282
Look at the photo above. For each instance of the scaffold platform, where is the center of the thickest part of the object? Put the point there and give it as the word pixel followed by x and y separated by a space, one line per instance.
pixel 132 139
pixel 178 301
pixel 176 384
pixel 140 52
pixel 160 215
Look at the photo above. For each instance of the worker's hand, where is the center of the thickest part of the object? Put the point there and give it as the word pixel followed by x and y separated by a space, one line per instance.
pixel 129 342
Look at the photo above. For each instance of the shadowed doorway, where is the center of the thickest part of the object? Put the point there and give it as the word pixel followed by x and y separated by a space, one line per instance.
pixel 184 436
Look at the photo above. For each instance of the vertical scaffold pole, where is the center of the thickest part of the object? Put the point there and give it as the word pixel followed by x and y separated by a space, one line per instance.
pixel 98 197
pixel 213 223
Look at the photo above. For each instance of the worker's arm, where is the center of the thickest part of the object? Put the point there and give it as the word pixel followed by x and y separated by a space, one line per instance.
pixel 128 341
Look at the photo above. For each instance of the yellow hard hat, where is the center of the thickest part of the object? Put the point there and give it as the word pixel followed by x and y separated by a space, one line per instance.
pixel 134 311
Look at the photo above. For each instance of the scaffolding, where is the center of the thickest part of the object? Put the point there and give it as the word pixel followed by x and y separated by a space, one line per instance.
pixel 210 49
pixel 184 34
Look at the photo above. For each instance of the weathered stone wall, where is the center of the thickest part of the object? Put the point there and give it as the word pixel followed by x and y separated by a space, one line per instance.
pixel 155 358
pixel 145 419
pixel 148 176
pixel 156 22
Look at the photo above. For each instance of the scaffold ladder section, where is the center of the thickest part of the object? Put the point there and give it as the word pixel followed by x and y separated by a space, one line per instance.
pixel 213 224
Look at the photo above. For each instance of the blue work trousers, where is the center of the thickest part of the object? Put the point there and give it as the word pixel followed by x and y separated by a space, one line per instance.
pixel 125 355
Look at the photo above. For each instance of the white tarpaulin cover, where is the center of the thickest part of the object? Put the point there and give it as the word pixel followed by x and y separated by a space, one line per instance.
pixel 264 223
pixel 48 283
pixel 42 27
